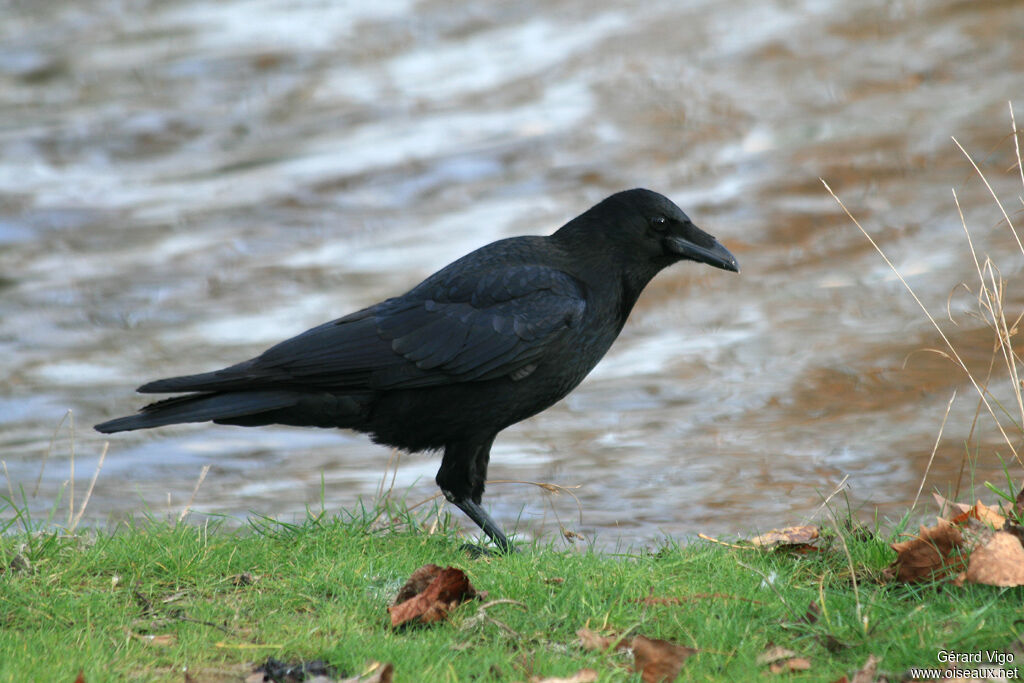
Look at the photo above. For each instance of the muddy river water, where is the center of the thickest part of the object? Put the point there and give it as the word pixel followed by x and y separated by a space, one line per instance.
pixel 184 183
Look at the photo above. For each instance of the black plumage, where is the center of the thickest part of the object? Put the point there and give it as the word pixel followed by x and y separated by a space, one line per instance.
pixel 491 339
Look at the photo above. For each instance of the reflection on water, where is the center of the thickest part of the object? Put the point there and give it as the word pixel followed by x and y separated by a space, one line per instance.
pixel 186 183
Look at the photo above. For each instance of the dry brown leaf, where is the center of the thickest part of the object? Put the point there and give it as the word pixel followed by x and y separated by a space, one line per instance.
pixel 417 583
pixel 988 515
pixel 658 660
pixel 581 676
pixel 81 676
pixel 931 555
pixel 592 640
pixel 949 508
pixel 789 665
pixel 1000 562
pixel 868 671
pixel 444 592
pixel 381 673
pixel 775 654
pixel 985 513
pixel 789 536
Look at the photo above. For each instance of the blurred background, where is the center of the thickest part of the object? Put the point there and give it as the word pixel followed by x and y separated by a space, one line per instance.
pixel 185 183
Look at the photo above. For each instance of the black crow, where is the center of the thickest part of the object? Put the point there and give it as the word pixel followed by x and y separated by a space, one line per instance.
pixel 491 339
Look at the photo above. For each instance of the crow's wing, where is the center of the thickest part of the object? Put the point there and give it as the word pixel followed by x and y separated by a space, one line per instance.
pixel 453 327
pixel 477 327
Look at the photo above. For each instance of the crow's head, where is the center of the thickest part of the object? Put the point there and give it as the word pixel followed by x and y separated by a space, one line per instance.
pixel 653 227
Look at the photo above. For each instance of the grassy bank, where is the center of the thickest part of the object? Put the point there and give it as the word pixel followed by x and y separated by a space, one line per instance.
pixel 153 599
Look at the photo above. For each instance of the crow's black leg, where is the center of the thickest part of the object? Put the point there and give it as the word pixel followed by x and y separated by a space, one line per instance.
pixel 461 478
pixel 485 522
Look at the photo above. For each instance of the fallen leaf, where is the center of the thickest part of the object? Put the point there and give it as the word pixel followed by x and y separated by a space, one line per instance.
pixel 378 674
pixel 985 513
pixel 988 515
pixel 447 590
pixel 789 536
pixel 658 660
pixel 929 556
pixel 581 676
pixel 417 583
pixel 592 640
pixel 775 654
pixel 946 506
pixel 1000 562
pixel 867 672
pixel 81 676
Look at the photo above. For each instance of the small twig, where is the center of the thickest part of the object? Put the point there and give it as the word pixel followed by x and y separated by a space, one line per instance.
pixel 550 488
pixel 188 506
pixel 423 502
pixel 727 545
pixel 482 615
pixel 224 629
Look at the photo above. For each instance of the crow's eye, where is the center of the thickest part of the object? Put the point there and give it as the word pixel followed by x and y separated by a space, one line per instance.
pixel 659 223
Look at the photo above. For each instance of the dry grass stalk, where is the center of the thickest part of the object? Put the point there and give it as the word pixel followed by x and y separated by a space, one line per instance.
pixel 992 311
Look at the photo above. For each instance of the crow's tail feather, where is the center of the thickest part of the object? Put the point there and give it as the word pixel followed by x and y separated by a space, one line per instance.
pixel 202 408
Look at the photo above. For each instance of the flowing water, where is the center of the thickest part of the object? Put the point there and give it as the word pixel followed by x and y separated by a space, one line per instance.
pixel 184 183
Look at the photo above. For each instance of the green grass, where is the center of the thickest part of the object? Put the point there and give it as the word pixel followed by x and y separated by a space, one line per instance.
pixel 148 600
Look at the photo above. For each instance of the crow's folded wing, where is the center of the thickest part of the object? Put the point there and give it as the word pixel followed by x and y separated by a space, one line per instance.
pixel 454 327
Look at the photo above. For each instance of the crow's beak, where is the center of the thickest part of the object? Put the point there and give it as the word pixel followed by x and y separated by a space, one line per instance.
pixel 713 254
